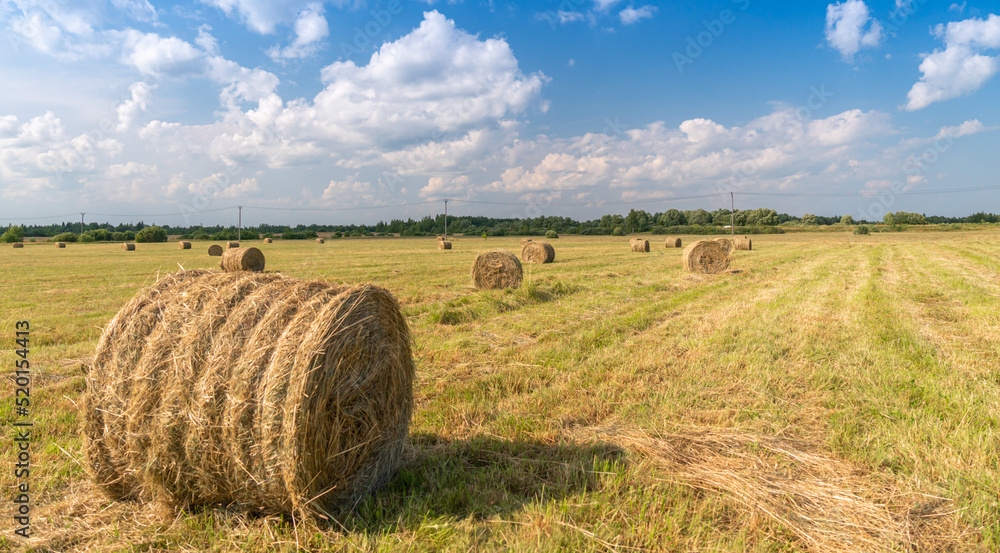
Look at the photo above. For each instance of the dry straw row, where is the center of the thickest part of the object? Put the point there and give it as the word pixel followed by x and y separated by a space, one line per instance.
pixel 538 252
pixel 249 389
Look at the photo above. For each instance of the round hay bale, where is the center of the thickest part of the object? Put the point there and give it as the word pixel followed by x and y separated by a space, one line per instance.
pixel 215 250
pixel 743 243
pixel 60 244
pixel 320 241
pixel 242 259
pixel 673 242
pixel 726 243
pixel 440 238
pixel 18 245
pixel 232 244
pixel 444 245
pixel 705 256
pixel 497 269
pixel 639 245
pixel 268 240
pixel 184 245
pixel 538 252
pixel 525 241
pixel 128 247
pixel 281 395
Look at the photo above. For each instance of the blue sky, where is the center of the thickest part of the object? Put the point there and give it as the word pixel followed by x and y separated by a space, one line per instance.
pixel 363 111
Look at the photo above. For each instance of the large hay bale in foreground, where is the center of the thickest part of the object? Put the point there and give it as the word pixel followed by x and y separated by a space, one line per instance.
pixel 444 245
pixel 232 244
pixel 538 252
pixel 497 269
pixel 18 245
pixel 184 245
pixel 673 242
pixel 242 259
pixel 743 243
pixel 268 240
pixel 726 243
pixel 259 390
pixel 639 245
pixel 128 247
pixel 60 244
pixel 705 256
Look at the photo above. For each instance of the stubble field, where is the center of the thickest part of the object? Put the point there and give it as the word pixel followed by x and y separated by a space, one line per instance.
pixel 833 392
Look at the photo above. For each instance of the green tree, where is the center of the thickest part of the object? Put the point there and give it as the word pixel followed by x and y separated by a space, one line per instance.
pixel 13 234
pixel 618 232
pixel 808 219
pixel 672 218
pixel 847 220
pixel 151 234
pixel 698 217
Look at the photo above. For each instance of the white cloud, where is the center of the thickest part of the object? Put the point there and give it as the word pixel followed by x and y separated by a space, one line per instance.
pixel 310 28
pixel 127 110
pixel 604 5
pixel 845 28
pixel 140 10
pixel 262 16
pixel 159 56
pixel 630 15
pixel 125 182
pixel 41 148
pixel 959 8
pixel 961 68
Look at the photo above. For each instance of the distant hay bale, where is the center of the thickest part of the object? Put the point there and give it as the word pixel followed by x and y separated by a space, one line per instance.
pixel 639 245
pixel 215 250
pixel 673 242
pixel 726 243
pixel 440 238
pixel 743 243
pixel 497 269
pixel 538 252
pixel 705 256
pixel 242 259
pixel 184 245
pixel 525 241
pixel 268 240
pixel 232 244
pixel 277 394
pixel 60 244
pixel 18 245
pixel 444 245
pixel 320 241
pixel 128 247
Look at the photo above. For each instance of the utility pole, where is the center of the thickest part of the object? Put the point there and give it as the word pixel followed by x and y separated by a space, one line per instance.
pixel 81 222
pixel 446 219
pixel 732 213
pixel 239 229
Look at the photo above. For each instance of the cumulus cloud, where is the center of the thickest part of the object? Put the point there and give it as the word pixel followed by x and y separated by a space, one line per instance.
pixel 630 15
pixel 157 56
pixel 263 16
pixel 310 28
pixel 127 110
pixel 140 10
pixel 605 5
pixel 963 67
pixel 845 28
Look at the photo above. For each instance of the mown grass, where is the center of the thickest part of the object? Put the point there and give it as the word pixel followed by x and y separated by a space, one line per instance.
pixel 878 351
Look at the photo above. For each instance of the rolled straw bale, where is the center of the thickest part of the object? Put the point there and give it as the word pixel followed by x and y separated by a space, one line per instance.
pixel 673 242
pixel 320 241
pixel 232 244
pixel 184 245
pixel 497 269
pixel 242 259
pixel 128 247
pixel 705 256
pixel 639 245
pixel 444 245
pixel 60 244
pixel 215 250
pixel 277 394
pixel 268 240
pixel 743 243
pixel 440 238
pixel 525 241
pixel 18 245
pixel 538 252
pixel 726 243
